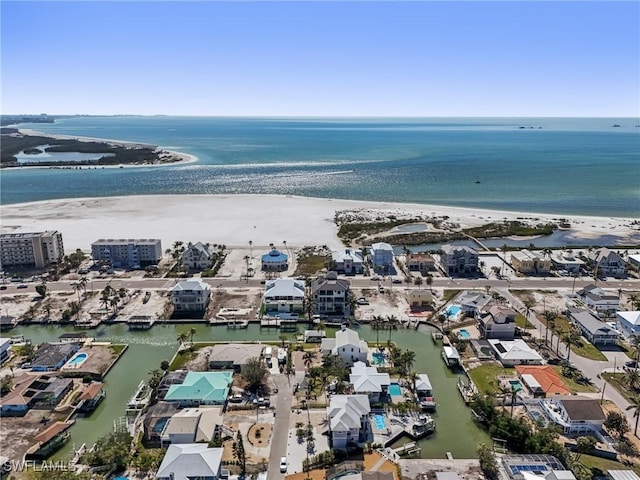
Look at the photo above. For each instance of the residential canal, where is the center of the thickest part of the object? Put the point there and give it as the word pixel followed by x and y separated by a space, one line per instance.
pixel 456 432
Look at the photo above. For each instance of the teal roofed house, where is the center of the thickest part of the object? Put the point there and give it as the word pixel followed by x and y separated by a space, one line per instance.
pixel 201 388
pixel 275 261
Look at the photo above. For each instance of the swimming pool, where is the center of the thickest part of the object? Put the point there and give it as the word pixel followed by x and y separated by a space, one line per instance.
pixel 464 334
pixel 378 358
pixel 394 389
pixel 77 360
pixel 453 310
pixel 379 421
pixel 515 385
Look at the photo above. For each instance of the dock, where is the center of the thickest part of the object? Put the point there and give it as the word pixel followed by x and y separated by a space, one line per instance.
pixel 87 323
pixel 140 322
pixel 435 336
pixel 408 449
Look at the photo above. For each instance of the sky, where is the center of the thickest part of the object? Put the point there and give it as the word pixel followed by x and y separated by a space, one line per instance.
pixel 442 58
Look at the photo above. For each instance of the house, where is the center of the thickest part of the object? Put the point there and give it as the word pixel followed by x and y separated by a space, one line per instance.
pixel 542 380
pixel 382 258
pixel 31 250
pixel 458 260
pixel 606 263
pixel 51 356
pixel 420 262
pixel 198 256
pixel 497 321
pixel 565 261
pixel 93 394
pixel 189 461
pixel 534 467
pixel 597 299
pixel 592 328
pixel 526 261
pixel 574 414
pixel 331 296
pixel 367 380
pixel 346 345
pixel 134 253
pixel 628 323
pixel 49 440
pixel 472 302
pixel 192 425
pixel 622 475
pixel 418 297
pixel 633 262
pixel 275 261
pixel 348 261
pixel 201 388
pixel 515 352
pixel 5 349
pixel 348 417
pixel 233 355
pixel 284 295
pixel 190 296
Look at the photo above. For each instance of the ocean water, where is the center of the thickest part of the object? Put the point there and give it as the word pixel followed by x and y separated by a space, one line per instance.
pixel 572 166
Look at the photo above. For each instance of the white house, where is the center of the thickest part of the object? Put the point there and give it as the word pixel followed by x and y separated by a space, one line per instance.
pixel 628 323
pixel 515 352
pixel 189 461
pixel 284 295
pixel 592 328
pixel 574 414
pixel 331 296
pixel 191 425
pixel 418 297
pixel 367 381
pixel 349 421
pixel 606 263
pixel 633 261
pixel 346 345
pixel 567 262
pixel 5 349
pixel 472 302
pixel 348 261
pixel 382 258
pixel 458 260
pixel 198 256
pixel 597 299
pixel 190 296
pixel 497 321
pixel 526 261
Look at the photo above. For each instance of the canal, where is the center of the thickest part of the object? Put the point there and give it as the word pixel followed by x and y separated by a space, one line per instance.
pixel 456 432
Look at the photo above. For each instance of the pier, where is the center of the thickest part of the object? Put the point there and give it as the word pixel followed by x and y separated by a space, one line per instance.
pixel 408 449
pixel 141 322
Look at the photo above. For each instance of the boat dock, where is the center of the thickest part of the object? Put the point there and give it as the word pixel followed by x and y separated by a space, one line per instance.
pixel 87 323
pixel 435 336
pixel 141 322
pixel 408 449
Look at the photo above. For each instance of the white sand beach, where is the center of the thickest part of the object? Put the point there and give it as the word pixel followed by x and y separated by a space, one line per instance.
pixel 235 219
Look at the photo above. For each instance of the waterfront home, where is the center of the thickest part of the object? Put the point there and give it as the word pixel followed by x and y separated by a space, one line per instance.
pixel 574 414
pixel 349 424
pixel 233 356
pixel 331 296
pixel 93 394
pixel 420 262
pixel 201 388
pixel 542 380
pixel 451 356
pixel 417 297
pixel 49 440
pixel 628 323
pixel 622 475
pixel 598 300
pixel 31 250
pixel 189 461
pixel 198 256
pixel 275 261
pixel 284 295
pixel 472 302
pixel 567 262
pixel 424 392
pixel 132 253
pixel 633 262
pixel 515 352
pixel 592 328
pixel 348 261
pixel 381 258
pixel 606 263
pixel 190 296
pixel 534 467
pixel 367 381
pixel 526 261
pixel 458 260
pixel 346 345
pixel 497 321
pixel 51 356
pixel 7 322
pixel 314 336
pixel 5 349
pixel 192 425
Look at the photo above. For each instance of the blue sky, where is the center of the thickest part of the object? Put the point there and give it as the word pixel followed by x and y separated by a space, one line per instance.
pixel 322 58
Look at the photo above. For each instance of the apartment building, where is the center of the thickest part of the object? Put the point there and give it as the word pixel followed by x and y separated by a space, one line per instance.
pixel 31 250
pixel 127 252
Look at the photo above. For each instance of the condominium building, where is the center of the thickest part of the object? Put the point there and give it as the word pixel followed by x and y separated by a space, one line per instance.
pixel 31 250
pixel 127 252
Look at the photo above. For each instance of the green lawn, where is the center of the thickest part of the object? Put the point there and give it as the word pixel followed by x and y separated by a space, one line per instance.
pixel 117 349
pixel 617 381
pixel 449 294
pixel 584 348
pixel 523 322
pixel 311 264
pixel 600 465
pixel 484 376
pixel 574 386
pixel 184 356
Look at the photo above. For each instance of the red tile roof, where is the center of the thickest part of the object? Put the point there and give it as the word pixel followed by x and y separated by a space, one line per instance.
pixel 547 377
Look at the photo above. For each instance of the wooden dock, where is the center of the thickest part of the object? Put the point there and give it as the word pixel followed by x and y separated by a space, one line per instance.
pixel 141 322
pixel 408 449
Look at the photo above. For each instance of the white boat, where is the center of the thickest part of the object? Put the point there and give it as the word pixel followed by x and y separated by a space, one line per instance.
pixel 451 357
pixel 423 426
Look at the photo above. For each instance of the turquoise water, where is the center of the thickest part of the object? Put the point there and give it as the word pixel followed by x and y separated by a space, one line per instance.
pixel 464 334
pixel 78 359
pixel 453 310
pixel 515 385
pixel 394 389
pixel 572 166
pixel 378 358
pixel 379 421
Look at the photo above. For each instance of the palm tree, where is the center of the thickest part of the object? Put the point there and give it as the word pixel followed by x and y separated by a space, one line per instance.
pixel 418 281
pixel 83 283
pixel 442 318
pixel 308 358
pixel 503 391
pixel 376 323
pixel 635 301
pixel 182 337
pixel 571 338
pixel 635 406
pixel 392 321
pixel 282 337
pixel 549 317
pixel 408 358
pixel 632 377
pixel 514 397
pixel 47 308
pixel 192 332
pixel 114 303
pixel 527 307
pixel 429 282
pixel 504 258
pixel 250 250
pixel 76 289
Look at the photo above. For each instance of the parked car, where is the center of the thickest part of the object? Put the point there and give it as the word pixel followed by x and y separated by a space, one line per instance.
pixel 631 364
pixel 3 287
pixel 396 280
pixel 22 285
pixel 237 398
pixel 375 278
pixel 283 464
pixel 362 301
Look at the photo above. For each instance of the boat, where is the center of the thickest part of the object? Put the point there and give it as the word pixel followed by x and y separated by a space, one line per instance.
pixel 451 357
pixel 424 425
pixel 424 392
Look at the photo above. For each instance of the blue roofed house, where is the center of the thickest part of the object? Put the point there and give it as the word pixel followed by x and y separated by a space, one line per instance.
pixel 275 261
pixel 191 461
pixel 201 388
pixel 628 323
pixel 382 258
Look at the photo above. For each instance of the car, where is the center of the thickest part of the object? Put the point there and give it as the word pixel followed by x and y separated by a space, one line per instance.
pixel 16 279
pixel 283 464
pixel 396 280
pixel 631 364
pixel 22 285
pixel 26 365
pixel 3 287
pixel 362 301
pixel 375 278
pixel 237 398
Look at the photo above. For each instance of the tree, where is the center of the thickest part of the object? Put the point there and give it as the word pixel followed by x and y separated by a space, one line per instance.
pixel 283 339
pixel 407 359
pixel 240 454
pixel 308 358
pixel 429 281
pixel 549 317
pixel 616 422
pixel 527 307
pixel 442 318
pixel 418 281
pixel 488 463
pixel 83 284
pixel 254 374
pixel 504 258
pixel 635 406
pixel 112 450
pixel 632 377
pixel 6 384
pixel 376 323
pixel 393 322
pixel 584 444
pixel 47 308
pixel 182 337
pixel 76 288
pixel 164 365
pixel 41 290
pixel 192 332
pixel 572 337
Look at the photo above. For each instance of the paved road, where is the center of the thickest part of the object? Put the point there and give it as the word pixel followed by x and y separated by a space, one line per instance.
pixel 280 434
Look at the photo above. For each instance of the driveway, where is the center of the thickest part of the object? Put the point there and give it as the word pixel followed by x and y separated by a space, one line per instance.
pixel 279 438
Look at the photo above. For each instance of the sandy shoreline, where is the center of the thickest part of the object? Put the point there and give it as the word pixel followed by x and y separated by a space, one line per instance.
pixel 263 219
